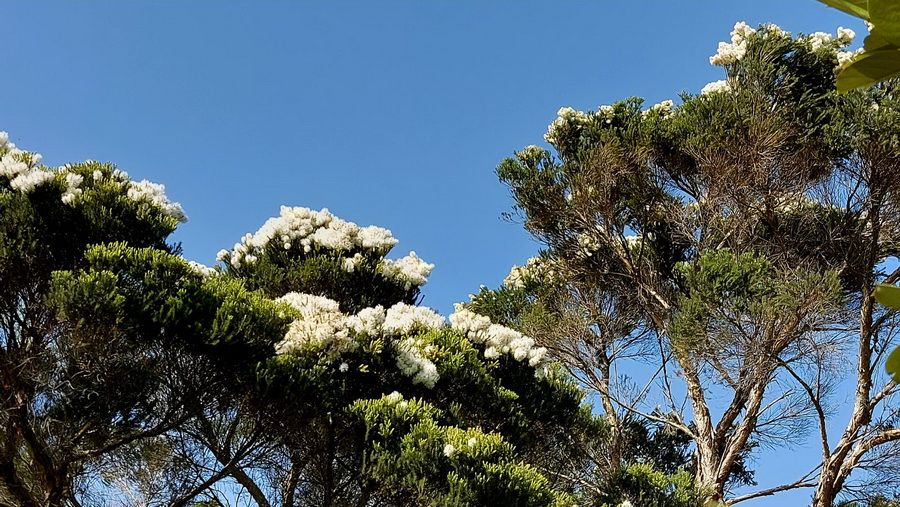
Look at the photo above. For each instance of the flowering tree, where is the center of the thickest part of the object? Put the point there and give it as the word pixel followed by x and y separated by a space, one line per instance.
pixel 373 400
pixel 299 369
pixel 103 327
pixel 731 243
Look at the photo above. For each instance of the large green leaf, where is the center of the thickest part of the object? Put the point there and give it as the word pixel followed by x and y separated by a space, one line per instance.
pixel 858 8
pixel 888 295
pixel 868 69
pixel 885 15
pixel 893 364
pixel 875 41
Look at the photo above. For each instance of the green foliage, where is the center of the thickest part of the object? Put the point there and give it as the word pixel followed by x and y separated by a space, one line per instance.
pixel 881 59
pixel 640 484
pixel 445 465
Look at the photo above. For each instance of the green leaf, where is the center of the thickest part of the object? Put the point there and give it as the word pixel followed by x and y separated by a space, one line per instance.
pixel 869 69
pixel 875 41
pixel 858 8
pixel 885 14
pixel 888 295
pixel 893 364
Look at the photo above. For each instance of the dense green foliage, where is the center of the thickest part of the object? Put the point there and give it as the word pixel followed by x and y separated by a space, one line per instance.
pixel 129 372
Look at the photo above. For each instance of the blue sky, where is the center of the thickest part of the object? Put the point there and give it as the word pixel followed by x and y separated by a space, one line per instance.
pixel 387 113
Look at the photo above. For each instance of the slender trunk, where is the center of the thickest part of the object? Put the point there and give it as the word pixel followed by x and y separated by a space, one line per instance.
pixel 615 451
pixel 830 481
pixel 707 447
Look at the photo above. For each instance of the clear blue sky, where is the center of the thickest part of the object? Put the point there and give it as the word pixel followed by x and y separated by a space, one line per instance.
pixel 387 113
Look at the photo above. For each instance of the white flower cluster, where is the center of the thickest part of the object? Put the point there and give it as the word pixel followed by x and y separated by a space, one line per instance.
pixel 26 182
pixel 565 117
pixel 587 244
pixel 413 361
pixel 201 269
pixel 368 322
pixel 732 52
pixel 663 109
pixel 306 229
pixel 22 168
pixel 410 271
pixel 320 325
pixel 535 268
pixel 720 86
pixel 773 29
pixel 818 40
pixel 25 175
pixel 403 319
pixel 14 160
pixel 298 227
pixel 498 339
pixel 793 202
pixel 155 194
pixel 845 35
pixel 73 181
pixel 844 58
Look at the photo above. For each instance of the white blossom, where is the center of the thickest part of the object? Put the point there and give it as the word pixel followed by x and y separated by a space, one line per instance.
pixel 410 271
pixel 496 338
pixel 350 263
pixel 155 194
pixel 773 29
pixel 412 362
pixel 343 367
pixel 720 86
pixel 663 109
pixel 403 319
pixel 818 40
pixel 565 117
pixel 844 58
pixel 449 450
pixel 376 238
pixel 308 229
pixel 394 397
pixel 12 165
pixel 588 244
pixel 201 269
pixel 530 152
pixel 535 268
pixel 368 322
pixel 320 325
pixel 734 51
pixel 69 197
pixel 72 182
pixel 845 35
pixel 28 181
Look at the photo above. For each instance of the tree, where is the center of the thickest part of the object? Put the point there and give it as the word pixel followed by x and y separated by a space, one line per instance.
pixel 733 244
pixel 371 400
pixel 94 361
pixel 300 369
